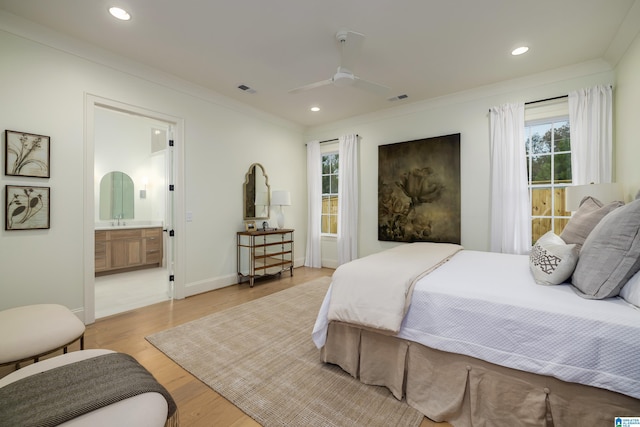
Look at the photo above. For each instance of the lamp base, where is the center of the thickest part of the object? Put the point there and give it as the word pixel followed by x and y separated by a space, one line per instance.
pixel 280 219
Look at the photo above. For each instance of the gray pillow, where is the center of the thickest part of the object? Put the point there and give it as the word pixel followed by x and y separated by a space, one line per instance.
pixel 610 255
pixel 588 215
pixel 630 292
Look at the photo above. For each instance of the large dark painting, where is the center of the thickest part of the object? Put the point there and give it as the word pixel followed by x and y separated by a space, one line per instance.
pixel 419 190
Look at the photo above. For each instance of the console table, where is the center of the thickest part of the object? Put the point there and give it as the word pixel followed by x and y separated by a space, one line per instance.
pixel 264 253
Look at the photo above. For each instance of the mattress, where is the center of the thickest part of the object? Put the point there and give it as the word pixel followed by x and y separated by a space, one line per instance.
pixel 486 305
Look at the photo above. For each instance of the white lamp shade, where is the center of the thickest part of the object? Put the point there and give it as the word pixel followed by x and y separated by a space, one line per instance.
pixel 280 198
pixel 605 193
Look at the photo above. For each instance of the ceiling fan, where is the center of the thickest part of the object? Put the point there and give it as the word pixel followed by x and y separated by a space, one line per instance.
pixel 351 46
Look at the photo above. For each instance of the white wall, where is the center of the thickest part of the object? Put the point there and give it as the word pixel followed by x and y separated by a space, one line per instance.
pixel 627 120
pixel 44 79
pixel 465 113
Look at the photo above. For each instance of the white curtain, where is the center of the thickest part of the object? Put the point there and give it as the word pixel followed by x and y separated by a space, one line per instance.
pixel 347 198
pixel 590 112
pixel 313 256
pixel 510 206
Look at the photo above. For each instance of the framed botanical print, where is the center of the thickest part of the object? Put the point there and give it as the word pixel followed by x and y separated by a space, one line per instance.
pixel 26 154
pixel 27 207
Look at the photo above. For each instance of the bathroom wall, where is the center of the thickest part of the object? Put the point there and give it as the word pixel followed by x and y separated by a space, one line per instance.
pixel 123 142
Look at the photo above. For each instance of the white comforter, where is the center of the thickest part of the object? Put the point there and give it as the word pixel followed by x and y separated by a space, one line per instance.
pixel 379 299
pixel 487 305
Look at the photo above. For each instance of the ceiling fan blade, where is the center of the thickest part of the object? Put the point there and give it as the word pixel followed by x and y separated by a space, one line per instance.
pixel 372 87
pixel 351 46
pixel 311 86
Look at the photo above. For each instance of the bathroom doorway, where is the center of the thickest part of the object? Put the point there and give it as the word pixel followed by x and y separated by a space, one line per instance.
pixel 133 143
pixel 131 157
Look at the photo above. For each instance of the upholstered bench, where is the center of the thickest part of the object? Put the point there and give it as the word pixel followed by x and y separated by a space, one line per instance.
pixel 32 331
pixel 145 403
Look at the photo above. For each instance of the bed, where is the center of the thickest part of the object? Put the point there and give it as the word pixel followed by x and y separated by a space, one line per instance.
pixel 484 340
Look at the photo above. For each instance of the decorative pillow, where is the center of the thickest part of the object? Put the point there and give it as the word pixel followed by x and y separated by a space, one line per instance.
pixel 630 292
pixel 551 260
pixel 610 255
pixel 588 215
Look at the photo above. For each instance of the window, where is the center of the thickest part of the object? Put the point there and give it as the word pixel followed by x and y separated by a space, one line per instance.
pixel 549 172
pixel 329 215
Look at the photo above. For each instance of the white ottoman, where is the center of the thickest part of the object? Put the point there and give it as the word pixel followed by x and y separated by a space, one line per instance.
pixel 31 331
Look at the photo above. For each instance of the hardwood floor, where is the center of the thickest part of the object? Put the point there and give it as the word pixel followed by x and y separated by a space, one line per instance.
pixel 198 405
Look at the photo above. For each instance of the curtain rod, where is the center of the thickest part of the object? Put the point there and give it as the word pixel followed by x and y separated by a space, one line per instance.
pixel 547 99
pixel 334 139
pixel 543 100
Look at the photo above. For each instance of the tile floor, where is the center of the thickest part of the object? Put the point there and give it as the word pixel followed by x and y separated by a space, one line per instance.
pixel 116 293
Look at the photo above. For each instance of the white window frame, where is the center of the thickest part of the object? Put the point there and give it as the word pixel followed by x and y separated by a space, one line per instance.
pixel 550 114
pixel 327 150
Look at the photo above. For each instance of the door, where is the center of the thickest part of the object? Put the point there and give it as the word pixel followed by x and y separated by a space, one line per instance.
pixel 169 230
pixel 170 184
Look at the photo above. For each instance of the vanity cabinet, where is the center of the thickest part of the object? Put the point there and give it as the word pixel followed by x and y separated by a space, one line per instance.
pixel 127 249
pixel 264 253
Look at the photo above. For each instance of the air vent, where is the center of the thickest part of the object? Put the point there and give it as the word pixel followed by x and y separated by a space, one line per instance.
pixel 246 89
pixel 399 97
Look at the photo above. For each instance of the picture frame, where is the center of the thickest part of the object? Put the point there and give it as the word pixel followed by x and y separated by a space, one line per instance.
pixel 27 207
pixel 419 190
pixel 250 226
pixel 27 154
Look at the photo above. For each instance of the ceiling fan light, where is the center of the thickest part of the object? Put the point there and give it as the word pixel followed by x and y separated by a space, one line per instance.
pixel 119 13
pixel 342 78
pixel 519 50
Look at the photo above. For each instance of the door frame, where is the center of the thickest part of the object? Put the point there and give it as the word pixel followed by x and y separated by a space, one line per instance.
pixel 91 102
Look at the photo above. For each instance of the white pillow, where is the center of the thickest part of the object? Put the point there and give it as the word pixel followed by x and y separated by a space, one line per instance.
pixel 630 292
pixel 551 260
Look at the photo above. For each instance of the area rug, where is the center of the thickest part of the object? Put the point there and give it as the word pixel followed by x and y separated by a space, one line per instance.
pixel 259 356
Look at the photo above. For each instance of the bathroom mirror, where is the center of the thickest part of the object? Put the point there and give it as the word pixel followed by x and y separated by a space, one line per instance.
pixel 116 196
pixel 256 194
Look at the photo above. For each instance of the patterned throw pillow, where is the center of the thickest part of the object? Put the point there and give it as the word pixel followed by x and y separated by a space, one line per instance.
pixel 551 260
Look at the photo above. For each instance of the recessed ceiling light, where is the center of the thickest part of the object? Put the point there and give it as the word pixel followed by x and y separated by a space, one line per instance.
pixel 519 50
pixel 119 13
pixel 315 109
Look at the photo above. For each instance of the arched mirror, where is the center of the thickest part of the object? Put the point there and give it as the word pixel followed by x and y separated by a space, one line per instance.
pixel 256 193
pixel 116 196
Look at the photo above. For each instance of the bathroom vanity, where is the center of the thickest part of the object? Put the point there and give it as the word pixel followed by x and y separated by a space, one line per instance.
pixel 121 249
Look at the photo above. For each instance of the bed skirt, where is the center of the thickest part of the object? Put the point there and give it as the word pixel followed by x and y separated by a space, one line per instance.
pixel 465 391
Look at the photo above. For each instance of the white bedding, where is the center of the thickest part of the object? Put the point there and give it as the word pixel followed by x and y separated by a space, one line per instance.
pixel 381 299
pixel 486 305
